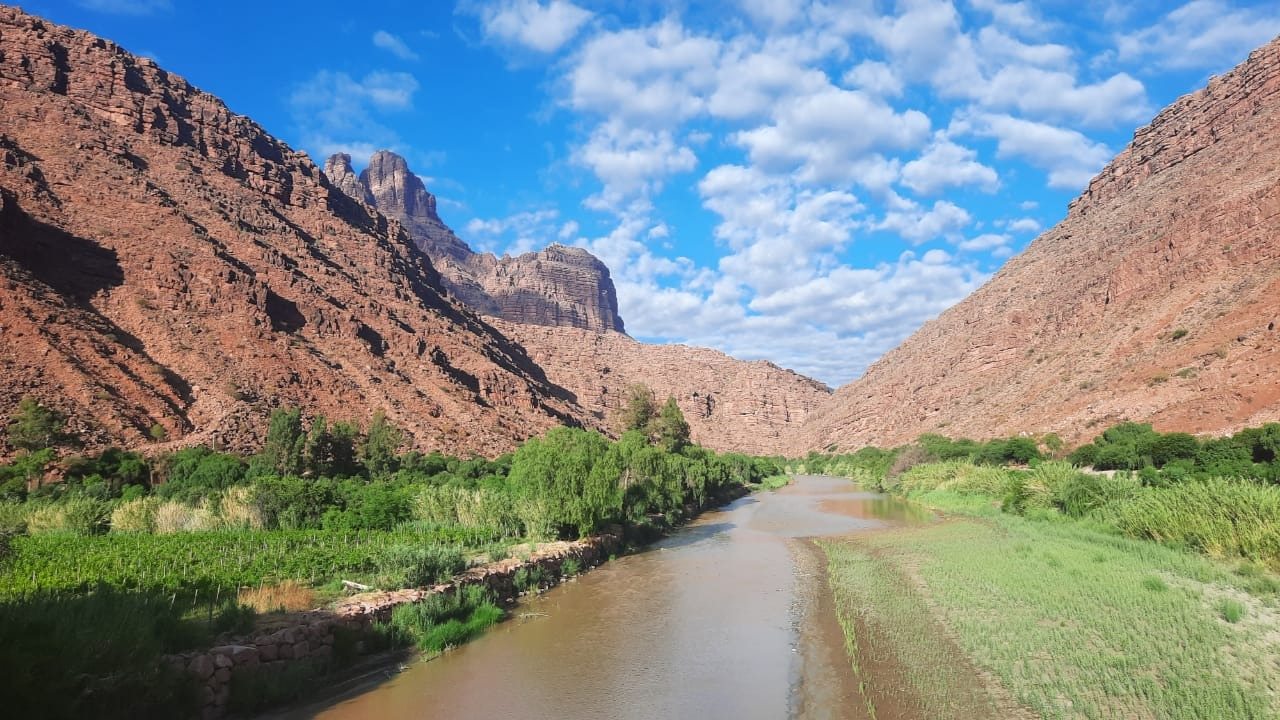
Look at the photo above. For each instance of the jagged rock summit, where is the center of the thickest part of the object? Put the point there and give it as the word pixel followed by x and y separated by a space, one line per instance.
pixel 1155 300
pixel 169 268
pixel 559 286
pixel 560 304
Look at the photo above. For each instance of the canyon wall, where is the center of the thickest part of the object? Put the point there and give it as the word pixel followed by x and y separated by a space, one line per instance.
pixel 1153 301
pixel 170 269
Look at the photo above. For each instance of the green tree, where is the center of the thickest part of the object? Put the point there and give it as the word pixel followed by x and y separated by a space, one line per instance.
pixel 34 426
pixel 639 409
pixel 382 443
pixel 669 428
pixel 331 449
pixel 282 453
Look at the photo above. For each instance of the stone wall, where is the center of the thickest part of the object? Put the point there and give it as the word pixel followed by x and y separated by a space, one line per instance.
pixel 277 645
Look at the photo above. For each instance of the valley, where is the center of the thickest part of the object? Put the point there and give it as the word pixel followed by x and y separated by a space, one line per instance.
pixel 495 416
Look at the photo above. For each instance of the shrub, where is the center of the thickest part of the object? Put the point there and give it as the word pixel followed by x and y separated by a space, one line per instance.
pixel 173 517
pixel 446 619
pixel 135 515
pixel 237 510
pixel 1179 334
pixel 1231 610
pixel 402 566
pixel 13 518
pixel 79 516
pixel 1084 493
pixel 1221 517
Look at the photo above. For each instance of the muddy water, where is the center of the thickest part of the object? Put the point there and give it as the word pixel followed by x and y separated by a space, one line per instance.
pixel 722 619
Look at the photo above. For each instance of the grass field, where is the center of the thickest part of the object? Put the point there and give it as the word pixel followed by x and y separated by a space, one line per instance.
pixel 1072 622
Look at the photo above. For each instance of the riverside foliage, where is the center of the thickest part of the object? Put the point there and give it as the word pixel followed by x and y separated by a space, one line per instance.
pixel 1087 593
pixel 163 546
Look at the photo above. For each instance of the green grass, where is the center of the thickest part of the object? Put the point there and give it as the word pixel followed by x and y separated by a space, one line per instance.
pixel 891 635
pixel 213 562
pixel 1074 622
pixel 446 620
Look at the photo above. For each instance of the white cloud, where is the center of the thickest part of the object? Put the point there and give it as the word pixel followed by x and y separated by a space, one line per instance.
pixel 632 161
pixel 126 7
pixel 772 13
pixel 1069 157
pixel 336 113
pixel 917 224
pixel 989 241
pixel 394 45
pixel 656 75
pixel 531 24
pixel 1054 94
pixel 1020 16
pixel 750 83
pixel 945 164
pixel 1201 34
pixel 833 136
pixel 522 232
pixel 875 77
pixel 1024 225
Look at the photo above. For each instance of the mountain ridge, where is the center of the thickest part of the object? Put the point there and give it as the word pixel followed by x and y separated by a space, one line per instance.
pixel 1150 302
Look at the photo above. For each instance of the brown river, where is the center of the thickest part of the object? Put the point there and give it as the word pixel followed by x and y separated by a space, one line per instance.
pixel 725 618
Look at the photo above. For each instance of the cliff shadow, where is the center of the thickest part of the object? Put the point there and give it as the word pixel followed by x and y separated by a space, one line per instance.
pixel 73 266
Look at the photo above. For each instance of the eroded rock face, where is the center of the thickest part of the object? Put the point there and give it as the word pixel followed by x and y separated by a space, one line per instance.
pixel 559 286
pixel 730 405
pixel 1153 301
pixel 166 261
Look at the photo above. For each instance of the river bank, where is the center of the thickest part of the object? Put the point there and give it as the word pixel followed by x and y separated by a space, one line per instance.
pixel 1057 620
pixel 705 622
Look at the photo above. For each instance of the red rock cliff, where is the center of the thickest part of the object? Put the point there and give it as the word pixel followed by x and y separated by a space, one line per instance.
pixel 559 286
pixel 1155 300
pixel 166 261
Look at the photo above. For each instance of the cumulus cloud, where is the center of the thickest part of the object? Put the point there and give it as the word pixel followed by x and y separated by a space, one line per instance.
pixel 918 224
pixel 531 24
pixel 875 77
pixel 335 112
pixel 945 164
pixel 656 74
pixel 1054 94
pixel 831 136
pixel 519 233
pixel 1201 34
pixel 394 45
pixel 632 161
pixel 818 133
pixel 1024 225
pixel 1069 157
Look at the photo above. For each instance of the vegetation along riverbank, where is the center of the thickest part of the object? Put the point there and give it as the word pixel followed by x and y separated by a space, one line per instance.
pixel 1147 591
pixel 126 558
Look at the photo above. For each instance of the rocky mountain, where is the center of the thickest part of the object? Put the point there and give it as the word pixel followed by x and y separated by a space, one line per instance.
pixel 559 286
pixel 1155 300
pixel 170 268
pixel 729 404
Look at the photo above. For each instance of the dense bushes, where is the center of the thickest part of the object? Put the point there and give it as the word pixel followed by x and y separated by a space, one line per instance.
pixel 1172 457
pixel 1220 517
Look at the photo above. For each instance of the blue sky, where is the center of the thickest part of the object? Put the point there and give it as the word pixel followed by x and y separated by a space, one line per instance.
pixel 805 181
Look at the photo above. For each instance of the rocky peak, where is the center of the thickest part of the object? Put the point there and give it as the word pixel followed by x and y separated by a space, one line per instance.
pixel 396 191
pixel 559 286
pixel 338 169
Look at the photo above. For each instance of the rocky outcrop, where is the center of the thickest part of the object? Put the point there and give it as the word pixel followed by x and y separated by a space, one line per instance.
pixel 559 286
pixel 730 405
pixel 1153 301
pixel 167 262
